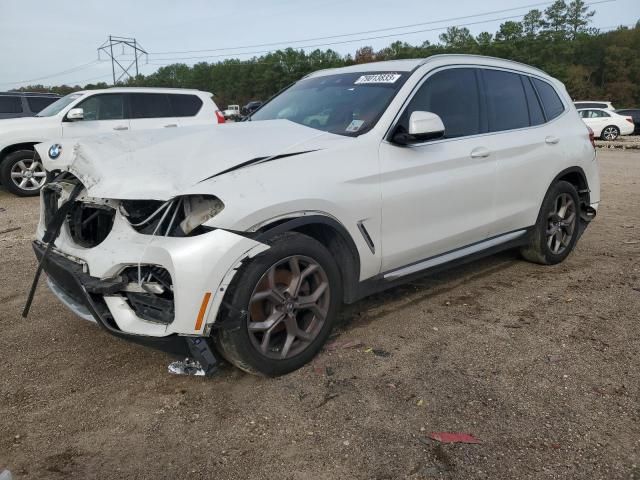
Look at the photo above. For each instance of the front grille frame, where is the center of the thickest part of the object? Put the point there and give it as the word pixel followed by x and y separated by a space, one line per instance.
pixel 89 224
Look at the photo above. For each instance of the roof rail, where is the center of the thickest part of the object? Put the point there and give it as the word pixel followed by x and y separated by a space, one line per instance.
pixel 424 60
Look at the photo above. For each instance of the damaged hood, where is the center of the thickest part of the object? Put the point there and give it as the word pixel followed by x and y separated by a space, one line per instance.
pixel 160 164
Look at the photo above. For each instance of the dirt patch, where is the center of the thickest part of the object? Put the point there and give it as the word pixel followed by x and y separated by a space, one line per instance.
pixel 539 363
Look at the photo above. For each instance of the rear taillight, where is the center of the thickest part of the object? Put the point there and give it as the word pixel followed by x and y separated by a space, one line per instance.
pixel 592 137
pixel 629 119
pixel 219 116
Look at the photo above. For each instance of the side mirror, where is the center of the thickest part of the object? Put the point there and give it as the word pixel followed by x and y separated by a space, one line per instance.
pixel 423 126
pixel 75 114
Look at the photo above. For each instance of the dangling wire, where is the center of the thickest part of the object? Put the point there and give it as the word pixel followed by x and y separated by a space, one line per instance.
pixel 155 230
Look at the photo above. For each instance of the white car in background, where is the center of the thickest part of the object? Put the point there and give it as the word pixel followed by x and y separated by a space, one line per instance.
pixel 93 112
pixel 593 104
pixel 245 240
pixel 606 124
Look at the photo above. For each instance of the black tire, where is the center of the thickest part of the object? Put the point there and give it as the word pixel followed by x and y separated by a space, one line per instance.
pixel 236 345
pixel 9 163
pixel 539 250
pixel 610 133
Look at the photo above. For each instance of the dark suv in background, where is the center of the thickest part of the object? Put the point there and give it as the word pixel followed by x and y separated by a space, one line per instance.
pixel 23 104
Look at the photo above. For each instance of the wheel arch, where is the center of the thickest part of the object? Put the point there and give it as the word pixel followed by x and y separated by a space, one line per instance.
pixel 9 149
pixel 333 235
pixel 576 176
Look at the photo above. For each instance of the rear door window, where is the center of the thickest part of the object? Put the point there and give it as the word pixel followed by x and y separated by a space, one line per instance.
pixel 40 103
pixel 185 105
pixel 10 104
pixel 507 107
pixel 452 94
pixel 553 106
pixel 150 105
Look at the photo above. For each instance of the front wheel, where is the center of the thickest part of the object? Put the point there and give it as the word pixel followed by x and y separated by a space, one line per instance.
pixel 556 231
pixel 290 295
pixel 610 133
pixel 22 173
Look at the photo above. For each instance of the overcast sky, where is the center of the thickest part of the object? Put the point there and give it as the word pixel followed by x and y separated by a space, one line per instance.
pixel 40 38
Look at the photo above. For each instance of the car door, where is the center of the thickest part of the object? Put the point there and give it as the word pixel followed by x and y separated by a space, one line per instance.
pixel 150 111
pixel 436 195
pixel 521 145
pixel 103 113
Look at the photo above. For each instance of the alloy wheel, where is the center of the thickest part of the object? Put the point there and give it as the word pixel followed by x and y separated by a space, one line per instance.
pixel 610 133
pixel 28 174
pixel 288 307
pixel 561 223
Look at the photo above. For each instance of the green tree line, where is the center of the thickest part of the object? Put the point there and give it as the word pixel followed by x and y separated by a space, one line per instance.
pixel 560 40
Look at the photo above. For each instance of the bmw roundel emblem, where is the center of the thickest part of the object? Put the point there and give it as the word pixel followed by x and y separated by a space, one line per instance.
pixel 55 150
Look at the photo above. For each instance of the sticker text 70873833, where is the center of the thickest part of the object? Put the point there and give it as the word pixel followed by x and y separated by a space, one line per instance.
pixel 378 78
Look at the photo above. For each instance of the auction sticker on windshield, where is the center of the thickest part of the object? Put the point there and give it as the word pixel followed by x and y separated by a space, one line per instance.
pixel 378 78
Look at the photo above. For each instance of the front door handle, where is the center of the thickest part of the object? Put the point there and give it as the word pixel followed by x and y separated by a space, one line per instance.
pixel 171 125
pixel 551 140
pixel 121 127
pixel 480 152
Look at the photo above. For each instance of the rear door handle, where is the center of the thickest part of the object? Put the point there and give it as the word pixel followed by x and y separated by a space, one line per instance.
pixel 551 140
pixel 480 152
pixel 171 125
pixel 121 127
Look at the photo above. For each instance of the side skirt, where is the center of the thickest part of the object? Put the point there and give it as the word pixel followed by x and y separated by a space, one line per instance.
pixel 445 261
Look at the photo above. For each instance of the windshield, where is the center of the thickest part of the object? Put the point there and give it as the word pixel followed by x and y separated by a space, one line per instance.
pixel 58 106
pixel 346 104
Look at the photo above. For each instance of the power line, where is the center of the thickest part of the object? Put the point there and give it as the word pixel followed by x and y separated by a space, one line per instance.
pixel 259 52
pixel 451 19
pixel 77 68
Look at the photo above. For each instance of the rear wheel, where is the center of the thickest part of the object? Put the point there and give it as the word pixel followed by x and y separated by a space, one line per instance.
pixel 610 133
pixel 291 294
pixel 22 173
pixel 556 230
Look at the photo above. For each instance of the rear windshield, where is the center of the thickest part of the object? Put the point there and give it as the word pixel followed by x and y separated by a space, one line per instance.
pixel 346 104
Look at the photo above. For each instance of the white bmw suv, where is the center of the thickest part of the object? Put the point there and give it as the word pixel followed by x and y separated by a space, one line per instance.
pixel 92 112
pixel 243 240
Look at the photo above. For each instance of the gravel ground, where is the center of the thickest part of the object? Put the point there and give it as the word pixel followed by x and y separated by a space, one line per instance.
pixel 539 363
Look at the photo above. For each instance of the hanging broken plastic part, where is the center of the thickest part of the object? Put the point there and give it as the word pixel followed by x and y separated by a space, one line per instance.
pixel 188 366
pixel 203 363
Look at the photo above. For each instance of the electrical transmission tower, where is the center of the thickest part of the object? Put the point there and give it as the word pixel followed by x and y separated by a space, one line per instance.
pixel 127 44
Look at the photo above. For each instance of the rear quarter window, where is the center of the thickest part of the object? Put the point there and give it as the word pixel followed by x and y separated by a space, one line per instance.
pixel 185 105
pixel 10 104
pixel 553 106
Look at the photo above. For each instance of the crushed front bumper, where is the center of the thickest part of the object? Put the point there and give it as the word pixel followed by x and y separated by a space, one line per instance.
pixel 73 287
pixel 200 268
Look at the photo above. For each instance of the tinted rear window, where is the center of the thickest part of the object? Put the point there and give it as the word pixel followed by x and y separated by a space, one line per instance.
pixel 10 104
pixel 506 101
pixel 185 105
pixel 550 100
pixel 150 105
pixel 39 103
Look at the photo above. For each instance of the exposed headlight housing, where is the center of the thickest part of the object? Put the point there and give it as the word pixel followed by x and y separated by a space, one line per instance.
pixel 179 217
